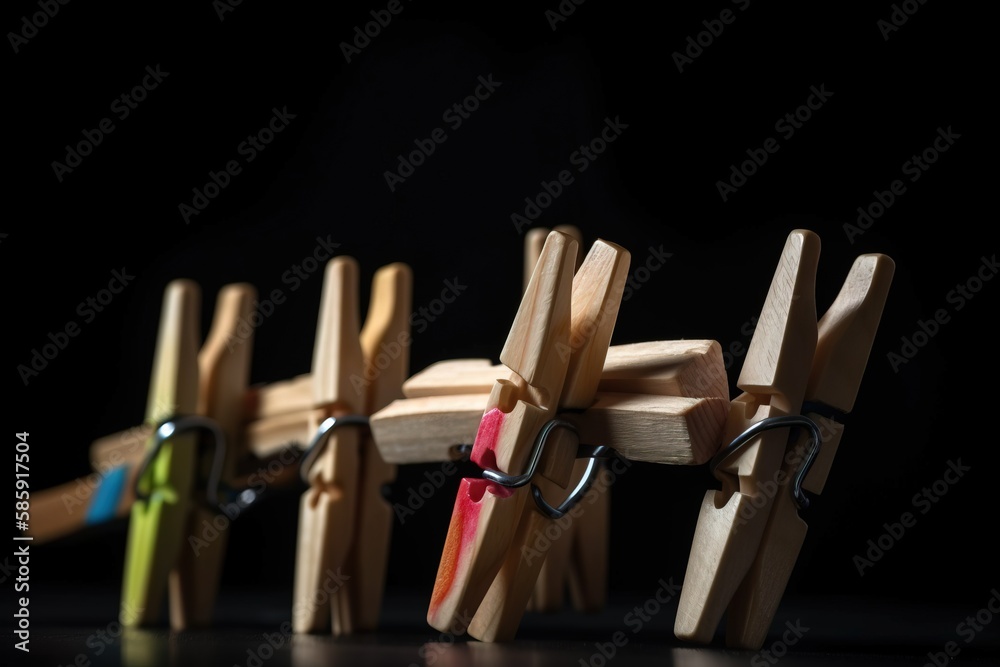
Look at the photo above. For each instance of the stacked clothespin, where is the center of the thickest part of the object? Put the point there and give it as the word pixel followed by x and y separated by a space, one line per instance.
pixel 174 483
pixel 562 404
pixel 796 374
pixel 207 387
pixel 663 402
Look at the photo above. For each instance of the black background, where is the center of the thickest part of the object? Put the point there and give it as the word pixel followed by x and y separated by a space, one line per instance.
pixel 655 186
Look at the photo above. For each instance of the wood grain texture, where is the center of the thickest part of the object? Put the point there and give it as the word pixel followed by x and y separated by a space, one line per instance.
pixel 458 376
pixel 424 428
pixel 541 323
pixel 385 343
pixel 774 377
pixel 692 368
pixel 596 297
pixel 658 429
pixel 846 334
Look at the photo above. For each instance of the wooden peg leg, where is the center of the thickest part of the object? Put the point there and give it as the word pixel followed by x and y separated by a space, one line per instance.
pixel 223 377
pixel 321 552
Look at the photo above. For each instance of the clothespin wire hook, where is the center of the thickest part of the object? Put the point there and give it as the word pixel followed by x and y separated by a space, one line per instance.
pixel 323 434
pixel 516 481
pixel 174 426
pixel 595 454
pixel 801 501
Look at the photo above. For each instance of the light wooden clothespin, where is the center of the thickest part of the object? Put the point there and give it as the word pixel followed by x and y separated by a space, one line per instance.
pixel 262 424
pixel 481 576
pixel 577 558
pixel 344 521
pixel 749 533
pixel 557 358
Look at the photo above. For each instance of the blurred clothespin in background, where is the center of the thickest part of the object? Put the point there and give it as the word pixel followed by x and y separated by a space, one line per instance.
pixel 169 505
pixel 344 520
pixel 173 481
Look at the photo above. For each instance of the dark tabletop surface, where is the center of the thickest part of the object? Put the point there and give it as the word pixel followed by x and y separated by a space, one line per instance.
pixel 77 627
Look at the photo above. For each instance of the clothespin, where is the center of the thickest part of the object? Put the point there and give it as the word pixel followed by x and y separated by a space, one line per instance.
pixel 366 369
pixel 487 516
pixel 748 535
pixel 577 558
pixel 344 522
pixel 168 505
pixel 663 401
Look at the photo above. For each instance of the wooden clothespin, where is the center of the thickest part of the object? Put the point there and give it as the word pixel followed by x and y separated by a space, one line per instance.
pixel 260 424
pixel 223 398
pixel 577 558
pixel 169 506
pixel 344 522
pixel 748 535
pixel 662 402
pixel 487 520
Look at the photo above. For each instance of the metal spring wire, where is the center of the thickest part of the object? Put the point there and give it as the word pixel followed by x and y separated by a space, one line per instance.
pixel 767 424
